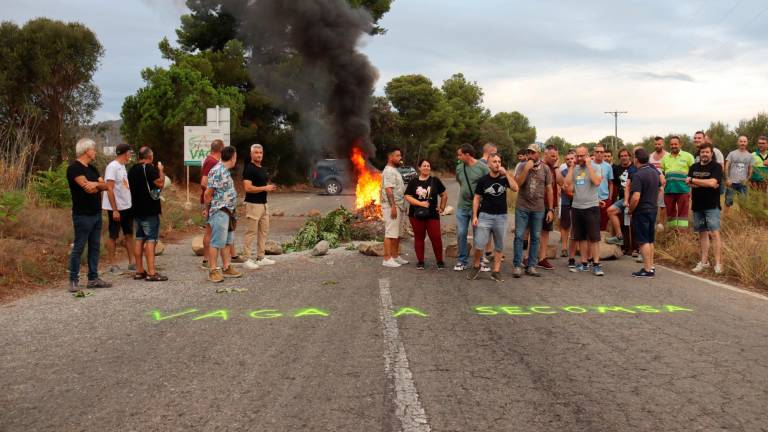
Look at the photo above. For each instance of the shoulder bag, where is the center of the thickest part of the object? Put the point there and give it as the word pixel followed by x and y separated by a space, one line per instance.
pixel 154 193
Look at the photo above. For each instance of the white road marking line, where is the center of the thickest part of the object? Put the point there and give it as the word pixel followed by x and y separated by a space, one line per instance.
pixel 717 284
pixel 408 409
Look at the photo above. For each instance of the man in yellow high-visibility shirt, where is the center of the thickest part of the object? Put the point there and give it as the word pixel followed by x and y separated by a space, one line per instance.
pixel 759 179
pixel 677 199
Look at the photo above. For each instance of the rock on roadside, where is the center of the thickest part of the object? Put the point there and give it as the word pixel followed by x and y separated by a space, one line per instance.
pixel 197 245
pixel 321 248
pixel 272 247
pixel 371 248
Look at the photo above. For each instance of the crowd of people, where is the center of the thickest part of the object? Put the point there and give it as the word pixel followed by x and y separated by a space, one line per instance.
pixel 584 193
pixel 587 194
pixel 133 204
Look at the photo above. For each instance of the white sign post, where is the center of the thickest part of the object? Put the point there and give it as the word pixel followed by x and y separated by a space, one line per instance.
pixel 197 139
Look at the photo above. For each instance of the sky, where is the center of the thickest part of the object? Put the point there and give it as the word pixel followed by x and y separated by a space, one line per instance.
pixel 673 66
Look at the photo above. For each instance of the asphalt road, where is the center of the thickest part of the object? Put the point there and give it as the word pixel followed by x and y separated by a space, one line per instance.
pixel 339 343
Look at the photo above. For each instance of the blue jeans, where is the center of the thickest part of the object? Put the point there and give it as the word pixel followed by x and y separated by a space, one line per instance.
pixel 87 230
pixel 487 224
pixel 533 220
pixel 463 219
pixel 730 193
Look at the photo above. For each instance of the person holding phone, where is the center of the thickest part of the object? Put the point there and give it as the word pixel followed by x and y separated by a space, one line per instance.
pixel 145 182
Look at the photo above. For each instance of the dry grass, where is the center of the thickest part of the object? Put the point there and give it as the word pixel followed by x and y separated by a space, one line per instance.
pixel 745 249
pixel 33 251
pixel 18 148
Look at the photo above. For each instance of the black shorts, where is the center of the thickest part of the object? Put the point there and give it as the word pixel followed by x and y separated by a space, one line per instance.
pixel 644 226
pixel 126 224
pixel 586 224
pixel 565 217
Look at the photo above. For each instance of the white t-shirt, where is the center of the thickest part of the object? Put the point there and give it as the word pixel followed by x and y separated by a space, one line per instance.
pixel 116 172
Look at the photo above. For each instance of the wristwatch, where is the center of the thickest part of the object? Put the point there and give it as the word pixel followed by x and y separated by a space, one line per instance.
pixel 550 210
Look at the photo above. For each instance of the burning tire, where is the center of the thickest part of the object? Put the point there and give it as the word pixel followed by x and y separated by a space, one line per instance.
pixel 332 187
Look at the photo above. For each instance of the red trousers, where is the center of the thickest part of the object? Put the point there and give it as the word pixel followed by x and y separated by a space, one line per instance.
pixel 422 228
pixel 677 209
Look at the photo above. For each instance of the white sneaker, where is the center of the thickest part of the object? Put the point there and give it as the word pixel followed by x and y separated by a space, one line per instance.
pixel 484 268
pixel 265 261
pixel 459 267
pixel 401 261
pixel 484 260
pixel 390 263
pixel 251 265
pixel 700 267
pixel 718 269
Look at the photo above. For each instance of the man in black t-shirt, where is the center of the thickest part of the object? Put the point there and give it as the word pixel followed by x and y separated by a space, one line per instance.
pixel 85 186
pixel 705 178
pixel 256 185
pixel 489 214
pixel 146 182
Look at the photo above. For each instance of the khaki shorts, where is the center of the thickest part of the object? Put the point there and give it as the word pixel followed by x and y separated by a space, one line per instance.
pixel 393 227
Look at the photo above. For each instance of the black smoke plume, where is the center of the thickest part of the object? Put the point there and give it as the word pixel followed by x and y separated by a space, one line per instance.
pixel 304 56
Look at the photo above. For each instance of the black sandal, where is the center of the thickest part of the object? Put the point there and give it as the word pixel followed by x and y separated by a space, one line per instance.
pixel 157 277
pixel 140 276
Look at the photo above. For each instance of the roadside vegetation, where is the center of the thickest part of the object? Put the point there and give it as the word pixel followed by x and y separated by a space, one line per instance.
pixel 744 228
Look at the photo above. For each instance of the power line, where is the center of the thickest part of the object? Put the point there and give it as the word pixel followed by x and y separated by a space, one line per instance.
pixel 615 115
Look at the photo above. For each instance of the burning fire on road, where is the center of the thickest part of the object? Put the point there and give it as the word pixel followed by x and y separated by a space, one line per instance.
pixel 368 189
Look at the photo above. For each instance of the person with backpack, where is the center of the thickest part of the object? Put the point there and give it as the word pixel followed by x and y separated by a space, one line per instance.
pixel 424 212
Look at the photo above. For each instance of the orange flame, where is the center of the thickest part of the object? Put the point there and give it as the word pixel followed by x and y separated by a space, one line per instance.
pixel 368 188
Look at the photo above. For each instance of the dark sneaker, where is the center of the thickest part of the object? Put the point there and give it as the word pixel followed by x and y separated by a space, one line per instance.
pixel 615 240
pixel 571 263
pixel 157 277
pixel 473 273
pixel 140 276
pixel 517 272
pixel 440 265
pixel 531 271
pixel 72 287
pixel 580 267
pixel 98 283
pixel 420 265
pixel 237 259
pixel 644 274
pixel 597 270
pixel 545 265
pixel 497 276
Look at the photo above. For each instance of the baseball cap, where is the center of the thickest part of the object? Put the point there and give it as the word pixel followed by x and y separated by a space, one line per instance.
pixel 533 148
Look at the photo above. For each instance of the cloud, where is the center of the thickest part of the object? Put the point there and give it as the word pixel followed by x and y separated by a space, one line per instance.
pixel 674 76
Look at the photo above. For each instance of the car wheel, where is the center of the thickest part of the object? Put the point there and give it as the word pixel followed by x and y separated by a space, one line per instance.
pixel 332 187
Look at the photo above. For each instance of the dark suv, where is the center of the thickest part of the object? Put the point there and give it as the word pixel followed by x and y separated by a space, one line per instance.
pixel 335 175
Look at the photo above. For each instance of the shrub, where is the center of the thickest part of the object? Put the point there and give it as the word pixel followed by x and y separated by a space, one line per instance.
pixel 333 228
pixel 11 203
pixel 51 187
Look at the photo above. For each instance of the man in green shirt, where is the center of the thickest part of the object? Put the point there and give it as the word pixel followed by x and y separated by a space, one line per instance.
pixel 677 199
pixel 468 171
pixel 759 177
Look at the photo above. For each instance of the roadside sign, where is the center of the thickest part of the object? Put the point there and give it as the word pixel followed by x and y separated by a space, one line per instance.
pixel 197 142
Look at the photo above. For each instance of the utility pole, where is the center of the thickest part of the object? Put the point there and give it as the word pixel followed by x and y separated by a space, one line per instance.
pixel 615 114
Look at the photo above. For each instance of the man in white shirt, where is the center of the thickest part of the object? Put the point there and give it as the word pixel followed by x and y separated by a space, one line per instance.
pixel 117 202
